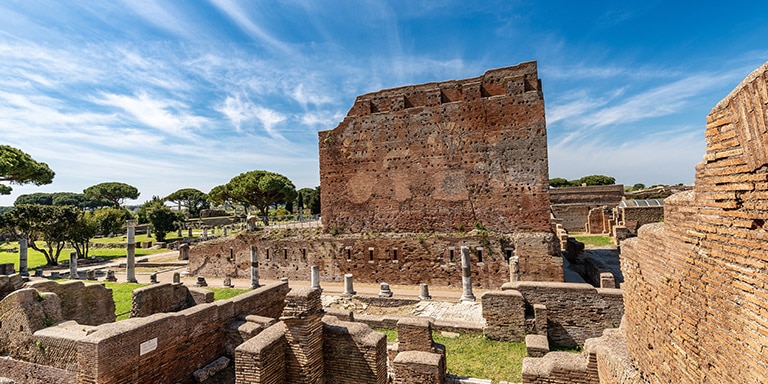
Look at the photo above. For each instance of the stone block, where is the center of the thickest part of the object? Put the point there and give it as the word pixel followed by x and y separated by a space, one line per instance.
pixel 536 345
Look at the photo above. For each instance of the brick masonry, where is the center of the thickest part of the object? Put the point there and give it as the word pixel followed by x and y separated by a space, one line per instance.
pixel 439 156
pixel 88 304
pixel 402 258
pixel 574 312
pixel 696 294
pixel 572 204
pixel 169 347
pixel 166 297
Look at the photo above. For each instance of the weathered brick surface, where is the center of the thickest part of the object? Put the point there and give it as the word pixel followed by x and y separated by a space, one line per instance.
pixel 436 156
pixel 560 368
pixel 90 304
pixel 635 217
pixel 262 358
pixel 302 317
pixel 174 344
pixel 403 258
pixel 353 353
pixel 418 367
pixel 575 312
pixel 22 313
pixel 572 205
pixel 504 313
pixel 9 283
pixel 165 297
pixel 695 287
pixel 24 372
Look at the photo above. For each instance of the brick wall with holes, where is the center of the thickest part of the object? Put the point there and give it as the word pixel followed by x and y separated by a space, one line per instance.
pixel 440 157
pixel 404 258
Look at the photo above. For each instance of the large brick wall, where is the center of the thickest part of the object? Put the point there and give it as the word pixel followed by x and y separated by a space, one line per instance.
pixel 404 258
pixel 695 285
pixel 440 156
pixel 166 297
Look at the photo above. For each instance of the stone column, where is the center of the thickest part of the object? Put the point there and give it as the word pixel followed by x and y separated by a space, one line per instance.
pixel 205 233
pixel 314 278
pixel 23 257
pixel 466 276
pixel 176 278
pixel 130 269
pixel 254 268
pixel 514 268
pixel 149 231
pixel 189 232
pixel 424 292
pixel 73 265
pixel 348 288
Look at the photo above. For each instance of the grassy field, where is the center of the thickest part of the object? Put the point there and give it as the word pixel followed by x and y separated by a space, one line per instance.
pixel 9 254
pixel 594 240
pixel 476 356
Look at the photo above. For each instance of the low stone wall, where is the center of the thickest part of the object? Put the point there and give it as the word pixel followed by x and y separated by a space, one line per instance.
pixel 504 313
pixel 353 353
pixel 166 297
pixel 604 360
pixel 635 217
pixel 168 347
pixel 574 312
pixel 88 304
pixel 262 358
pixel 21 314
pixel 31 373
pixel 10 283
pixel 395 258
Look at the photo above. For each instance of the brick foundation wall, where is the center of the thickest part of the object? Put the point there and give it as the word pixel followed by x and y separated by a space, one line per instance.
pixel 353 353
pixel 695 285
pixel 9 283
pixel 164 297
pixel 504 313
pixel 438 156
pixel 560 368
pixel 406 258
pixel 575 312
pixel 31 373
pixel 168 347
pixel 572 204
pixel 262 358
pixel 89 304
pixel 635 217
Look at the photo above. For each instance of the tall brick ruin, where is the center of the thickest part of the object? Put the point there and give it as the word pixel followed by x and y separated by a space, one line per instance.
pixel 440 157
pixel 696 292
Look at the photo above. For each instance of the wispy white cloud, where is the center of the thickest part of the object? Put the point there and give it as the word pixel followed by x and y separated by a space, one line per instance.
pixel 241 18
pixel 168 116
pixel 162 15
pixel 239 110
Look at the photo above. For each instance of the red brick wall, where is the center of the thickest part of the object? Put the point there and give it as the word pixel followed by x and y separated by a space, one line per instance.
pixel 438 156
pixel 185 341
pixel 421 258
pixel 696 293
pixel 30 373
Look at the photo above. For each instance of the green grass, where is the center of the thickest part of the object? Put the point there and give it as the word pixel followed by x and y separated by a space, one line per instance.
pixel 476 356
pixel 595 240
pixel 226 293
pixel 122 293
pixel 36 259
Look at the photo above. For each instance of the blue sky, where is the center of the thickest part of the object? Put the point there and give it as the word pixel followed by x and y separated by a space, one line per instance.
pixel 165 95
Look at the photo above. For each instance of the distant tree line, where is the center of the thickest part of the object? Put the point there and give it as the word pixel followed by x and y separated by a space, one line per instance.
pixel 560 182
pixel 49 220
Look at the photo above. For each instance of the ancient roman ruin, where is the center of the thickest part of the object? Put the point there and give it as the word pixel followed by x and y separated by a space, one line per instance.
pixel 398 184
pixel 410 176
